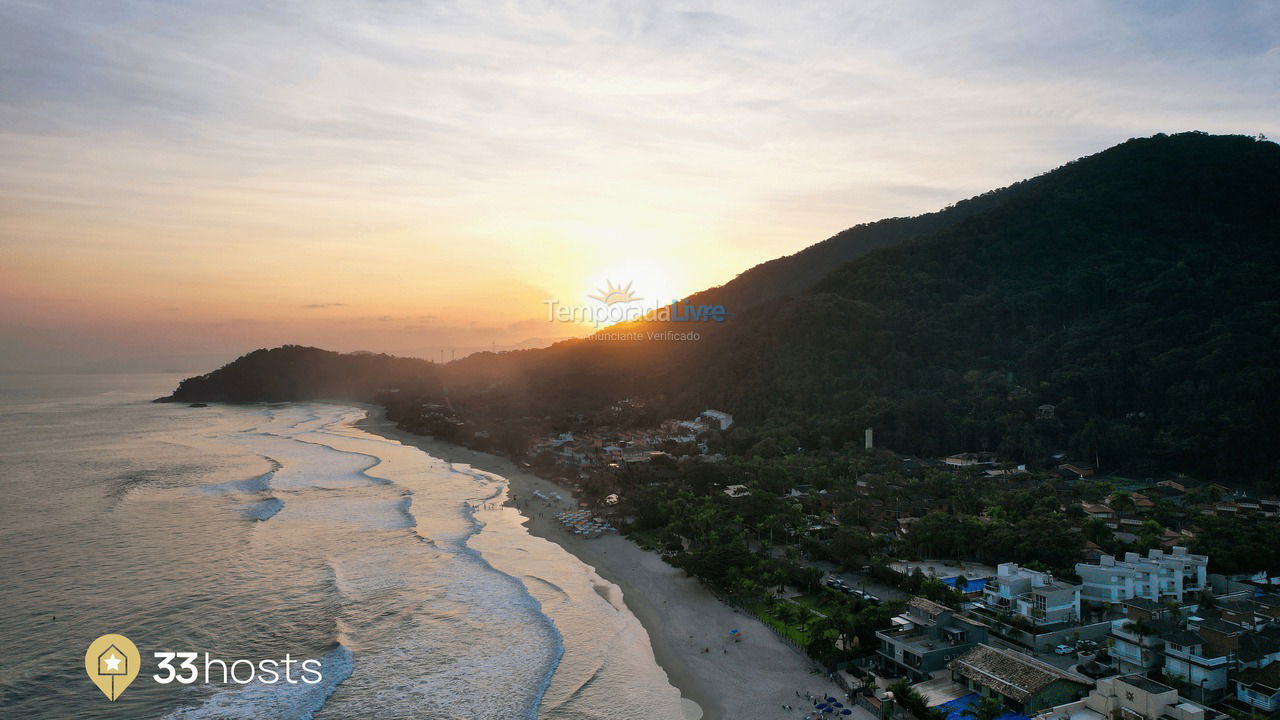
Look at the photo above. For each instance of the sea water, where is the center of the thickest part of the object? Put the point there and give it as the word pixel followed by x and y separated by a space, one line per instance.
pixel 259 531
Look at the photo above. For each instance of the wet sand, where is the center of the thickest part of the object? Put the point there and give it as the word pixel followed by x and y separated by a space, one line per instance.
pixel 750 678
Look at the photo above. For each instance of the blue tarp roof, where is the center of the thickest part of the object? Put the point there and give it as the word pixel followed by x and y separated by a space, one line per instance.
pixel 956 709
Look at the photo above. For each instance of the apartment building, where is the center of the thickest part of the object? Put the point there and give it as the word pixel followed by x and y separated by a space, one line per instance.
pixel 1160 576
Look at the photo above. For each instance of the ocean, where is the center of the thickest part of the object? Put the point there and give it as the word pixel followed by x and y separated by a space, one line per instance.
pixel 259 531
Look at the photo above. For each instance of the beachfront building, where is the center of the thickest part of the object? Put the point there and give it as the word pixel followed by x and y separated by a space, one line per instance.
pixel 1159 576
pixel 1036 596
pixel 925 637
pixel 1131 697
pixel 1023 683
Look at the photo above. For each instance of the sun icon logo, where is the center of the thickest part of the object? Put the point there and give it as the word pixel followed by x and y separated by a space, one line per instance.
pixel 612 294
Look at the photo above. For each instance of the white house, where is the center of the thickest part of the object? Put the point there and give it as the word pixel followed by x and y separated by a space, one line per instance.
pixel 1186 658
pixel 1037 596
pixel 721 420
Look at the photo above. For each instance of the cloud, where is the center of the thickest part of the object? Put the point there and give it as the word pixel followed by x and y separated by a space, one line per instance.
pixel 430 155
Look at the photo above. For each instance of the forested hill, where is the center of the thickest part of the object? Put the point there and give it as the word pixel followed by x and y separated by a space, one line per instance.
pixel 1135 291
pixel 1123 308
pixel 795 274
pixel 292 372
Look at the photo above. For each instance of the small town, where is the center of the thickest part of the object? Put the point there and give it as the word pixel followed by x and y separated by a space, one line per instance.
pixel 1098 608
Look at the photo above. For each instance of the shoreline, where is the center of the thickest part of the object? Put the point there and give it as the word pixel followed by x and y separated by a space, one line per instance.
pixel 687 625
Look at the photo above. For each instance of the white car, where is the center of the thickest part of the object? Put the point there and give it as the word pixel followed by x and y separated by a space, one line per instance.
pixel 1063 650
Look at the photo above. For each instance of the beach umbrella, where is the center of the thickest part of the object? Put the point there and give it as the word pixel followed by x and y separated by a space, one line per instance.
pixel 831 700
pixel 846 711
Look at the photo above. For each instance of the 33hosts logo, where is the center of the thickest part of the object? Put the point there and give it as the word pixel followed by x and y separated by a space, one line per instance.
pixel 112 662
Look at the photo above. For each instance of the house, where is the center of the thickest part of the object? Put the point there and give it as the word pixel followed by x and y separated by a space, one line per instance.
pixel 1138 641
pixel 1249 648
pixel 736 491
pixel 1187 659
pixel 1092 552
pixel 1024 684
pixel 1077 470
pixel 1007 472
pixel 1270 507
pixel 1098 511
pixel 965 460
pixel 1142 503
pixel 720 420
pixel 1266 608
pixel 1131 697
pixel 1259 687
pixel 1036 596
pixel 1138 645
pixel 1182 485
pixel 1046 412
pixel 1160 576
pixel 1161 492
pixel 925 637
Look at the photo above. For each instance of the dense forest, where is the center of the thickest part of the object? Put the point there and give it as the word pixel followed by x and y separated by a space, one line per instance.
pixel 1134 291
pixel 1124 308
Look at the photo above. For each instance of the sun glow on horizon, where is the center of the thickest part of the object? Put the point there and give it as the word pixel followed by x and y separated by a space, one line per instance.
pixel 418 177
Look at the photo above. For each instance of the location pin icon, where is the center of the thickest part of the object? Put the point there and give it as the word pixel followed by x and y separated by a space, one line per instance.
pixel 112 662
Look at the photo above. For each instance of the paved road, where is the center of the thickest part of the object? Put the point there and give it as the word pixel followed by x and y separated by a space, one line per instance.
pixel 860 581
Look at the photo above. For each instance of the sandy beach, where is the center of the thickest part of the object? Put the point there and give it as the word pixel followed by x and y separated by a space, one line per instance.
pixel 751 678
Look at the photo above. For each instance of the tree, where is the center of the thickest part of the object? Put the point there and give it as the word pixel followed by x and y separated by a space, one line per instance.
pixel 987 707
pixel 849 544
pixel 1122 502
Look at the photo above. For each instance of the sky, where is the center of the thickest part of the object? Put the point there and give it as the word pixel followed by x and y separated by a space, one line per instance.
pixel 182 182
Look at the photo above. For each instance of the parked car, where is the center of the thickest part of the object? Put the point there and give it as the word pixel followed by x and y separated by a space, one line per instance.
pixel 1086 645
pixel 871 598
pixel 1063 650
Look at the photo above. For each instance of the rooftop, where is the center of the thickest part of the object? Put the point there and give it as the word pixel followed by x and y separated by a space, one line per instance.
pixel 1181 637
pixel 928 606
pixel 1255 646
pixel 1220 625
pixel 1009 673
pixel 1267 677
pixel 1145 684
